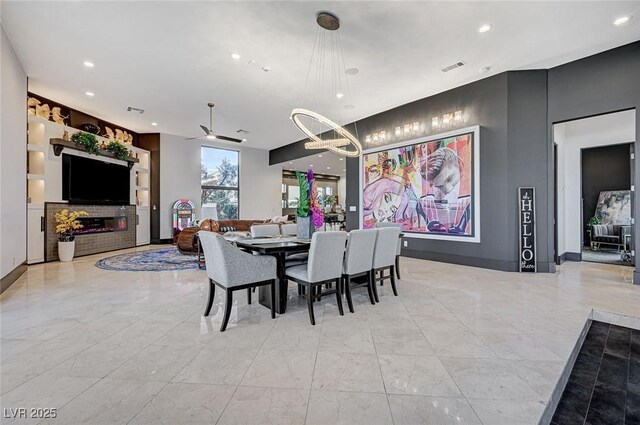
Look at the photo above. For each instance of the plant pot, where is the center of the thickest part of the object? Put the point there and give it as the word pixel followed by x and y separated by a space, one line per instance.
pixel 304 227
pixel 66 250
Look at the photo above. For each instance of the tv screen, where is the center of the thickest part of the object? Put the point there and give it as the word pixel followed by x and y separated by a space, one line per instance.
pixel 92 181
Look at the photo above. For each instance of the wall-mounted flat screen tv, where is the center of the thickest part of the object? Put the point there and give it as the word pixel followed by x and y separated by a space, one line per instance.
pixel 92 181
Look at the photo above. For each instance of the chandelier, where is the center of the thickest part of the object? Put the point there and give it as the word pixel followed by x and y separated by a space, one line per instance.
pixel 325 88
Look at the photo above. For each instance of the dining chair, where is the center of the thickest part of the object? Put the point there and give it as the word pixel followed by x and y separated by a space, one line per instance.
pixel 323 267
pixel 399 249
pixel 234 270
pixel 289 229
pixel 358 261
pixel 262 230
pixel 384 256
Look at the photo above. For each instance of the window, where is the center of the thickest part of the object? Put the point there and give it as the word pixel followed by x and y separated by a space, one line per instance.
pixel 219 180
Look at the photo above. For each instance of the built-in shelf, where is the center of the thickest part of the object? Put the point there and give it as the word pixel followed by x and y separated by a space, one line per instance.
pixel 35 177
pixel 36 148
pixel 60 144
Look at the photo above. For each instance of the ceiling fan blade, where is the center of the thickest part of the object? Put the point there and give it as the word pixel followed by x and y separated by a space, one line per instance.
pixel 229 139
pixel 206 130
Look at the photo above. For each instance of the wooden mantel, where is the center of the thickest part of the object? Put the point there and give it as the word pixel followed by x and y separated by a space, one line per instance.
pixel 60 144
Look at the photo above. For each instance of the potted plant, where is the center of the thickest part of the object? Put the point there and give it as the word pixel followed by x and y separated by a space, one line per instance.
pixel 66 222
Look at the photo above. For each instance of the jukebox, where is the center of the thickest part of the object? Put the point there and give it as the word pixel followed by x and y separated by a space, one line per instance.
pixel 184 213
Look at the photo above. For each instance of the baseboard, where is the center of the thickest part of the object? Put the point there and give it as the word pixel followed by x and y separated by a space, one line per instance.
pixel 570 256
pixel 161 241
pixel 485 263
pixel 11 277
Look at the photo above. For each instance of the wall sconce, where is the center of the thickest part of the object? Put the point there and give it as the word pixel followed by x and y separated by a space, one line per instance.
pixel 457 116
pixel 416 127
pixel 435 122
pixel 375 137
pixel 446 119
pixel 367 139
pixel 407 129
pixel 382 135
pixel 398 131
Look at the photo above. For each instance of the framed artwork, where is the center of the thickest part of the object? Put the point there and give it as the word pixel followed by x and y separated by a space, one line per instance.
pixel 430 186
pixel 614 207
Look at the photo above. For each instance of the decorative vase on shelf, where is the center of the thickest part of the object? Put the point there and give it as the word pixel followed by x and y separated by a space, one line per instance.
pixel 304 227
pixel 66 250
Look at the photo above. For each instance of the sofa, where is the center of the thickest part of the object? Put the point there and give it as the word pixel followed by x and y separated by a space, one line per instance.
pixel 609 234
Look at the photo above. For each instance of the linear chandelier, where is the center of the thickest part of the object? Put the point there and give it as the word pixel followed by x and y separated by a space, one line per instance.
pixel 325 88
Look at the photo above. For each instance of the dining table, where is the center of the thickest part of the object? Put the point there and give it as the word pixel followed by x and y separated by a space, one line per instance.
pixel 278 248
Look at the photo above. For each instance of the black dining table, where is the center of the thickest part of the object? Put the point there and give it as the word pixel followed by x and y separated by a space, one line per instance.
pixel 279 250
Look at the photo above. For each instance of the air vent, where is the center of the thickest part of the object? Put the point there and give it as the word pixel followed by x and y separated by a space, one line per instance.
pixel 454 66
pixel 241 131
pixel 134 109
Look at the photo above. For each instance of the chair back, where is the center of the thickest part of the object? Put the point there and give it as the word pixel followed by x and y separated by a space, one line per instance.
pixel 325 256
pixel 218 253
pixel 261 230
pixel 384 254
pixel 359 255
pixel 289 229
pixel 382 224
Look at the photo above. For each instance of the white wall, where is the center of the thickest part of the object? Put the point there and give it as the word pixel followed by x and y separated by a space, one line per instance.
pixel 13 159
pixel 572 137
pixel 260 184
pixel 342 191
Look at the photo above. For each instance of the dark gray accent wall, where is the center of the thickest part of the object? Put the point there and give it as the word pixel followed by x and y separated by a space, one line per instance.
pixel 603 168
pixel 598 84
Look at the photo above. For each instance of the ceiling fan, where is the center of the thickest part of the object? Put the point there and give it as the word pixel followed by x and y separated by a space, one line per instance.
pixel 209 134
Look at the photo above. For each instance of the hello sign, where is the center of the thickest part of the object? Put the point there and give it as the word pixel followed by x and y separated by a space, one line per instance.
pixel 527 213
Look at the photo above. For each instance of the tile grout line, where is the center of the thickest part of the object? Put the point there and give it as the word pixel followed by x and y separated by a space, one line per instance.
pixel 435 352
pixel 315 361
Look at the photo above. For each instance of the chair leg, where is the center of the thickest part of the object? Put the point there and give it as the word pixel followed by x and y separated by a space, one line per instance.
pixel 374 287
pixel 392 275
pixel 346 282
pixel 212 295
pixel 249 295
pixel 310 304
pixel 227 310
pixel 273 299
pixel 339 299
pixel 299 289
pixel 398 267
pixel 370 287
pixel 382 277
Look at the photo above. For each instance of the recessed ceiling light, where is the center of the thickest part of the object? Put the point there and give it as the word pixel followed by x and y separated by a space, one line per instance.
pixel 352 71
pixel 310 165
pixel 88 64
pixel 211 136
pixel 344 170
pixel 485 69
pixel 622 20
pixel 89 93
pixel 341 159
pixel 328 168
pixel 320 156
pixel 244 140
pixel 349 106
pixel 266 68
pixel 339 95
pixel 235 56
pixel 155 124
pixel 485 28
pixel 290 162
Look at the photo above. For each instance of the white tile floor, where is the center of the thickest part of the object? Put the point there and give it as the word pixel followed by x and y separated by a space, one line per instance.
pixel 459 345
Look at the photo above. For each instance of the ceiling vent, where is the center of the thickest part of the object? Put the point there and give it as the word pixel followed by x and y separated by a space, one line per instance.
pixel 454 66
pixel 241 131
pixel 134 109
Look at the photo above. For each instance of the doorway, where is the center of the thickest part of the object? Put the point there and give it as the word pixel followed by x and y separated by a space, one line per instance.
pixel 585 168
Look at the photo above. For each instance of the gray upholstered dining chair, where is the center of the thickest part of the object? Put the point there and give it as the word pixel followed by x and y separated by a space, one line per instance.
pixel 234 270
pixel 399 249
pixel 324 266
pixel 384 256
pixel 289 229
pixel 262 230
pixel 358 261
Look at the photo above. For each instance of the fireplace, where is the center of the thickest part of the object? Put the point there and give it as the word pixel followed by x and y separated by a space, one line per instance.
pixel 101 225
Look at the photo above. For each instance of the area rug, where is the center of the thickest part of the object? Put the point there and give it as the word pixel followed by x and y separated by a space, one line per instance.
pixel 606 256
pixel 157 260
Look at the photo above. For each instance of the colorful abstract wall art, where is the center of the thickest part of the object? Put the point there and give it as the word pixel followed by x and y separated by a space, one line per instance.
pixel 429 187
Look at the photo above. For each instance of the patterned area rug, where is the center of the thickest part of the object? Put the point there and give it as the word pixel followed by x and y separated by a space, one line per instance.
pixel 157 260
